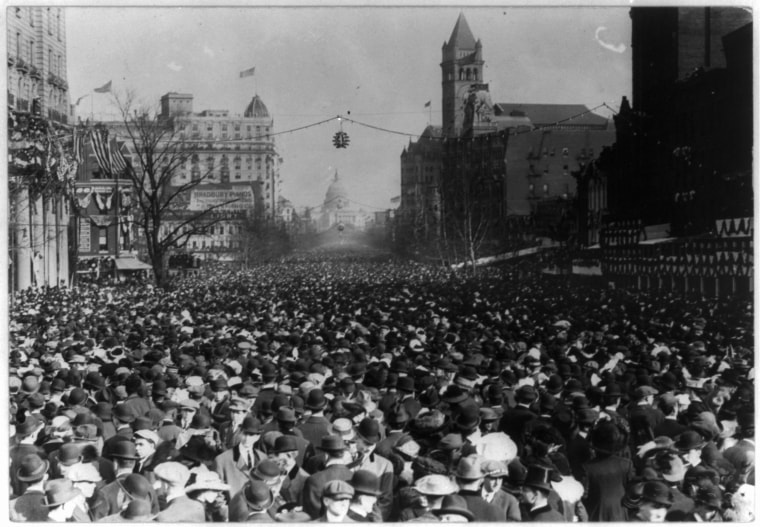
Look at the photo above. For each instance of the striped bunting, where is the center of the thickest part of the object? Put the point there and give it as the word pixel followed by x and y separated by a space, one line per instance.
pixel 102 149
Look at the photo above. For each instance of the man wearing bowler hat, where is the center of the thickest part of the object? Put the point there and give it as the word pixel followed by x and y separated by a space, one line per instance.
pixel 32 473
pixel 316 426
pixel 285 454
pixel 64 502
pixel 536 489
pixel 367 438
pixel 235 464
pixel 514 421
pixel 336 467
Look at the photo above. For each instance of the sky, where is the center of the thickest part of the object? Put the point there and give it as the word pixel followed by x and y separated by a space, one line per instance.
pixel 376 65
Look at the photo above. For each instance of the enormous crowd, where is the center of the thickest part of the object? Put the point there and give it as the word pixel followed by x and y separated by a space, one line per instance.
pixel 339 387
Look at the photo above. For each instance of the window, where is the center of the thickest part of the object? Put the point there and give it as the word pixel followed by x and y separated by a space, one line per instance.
pixel 58 23
pixel 103 239
pixel 50 22
pixel 18 44
pixel 31 52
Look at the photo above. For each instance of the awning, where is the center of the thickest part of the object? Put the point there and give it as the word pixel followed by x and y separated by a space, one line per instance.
pixel 131 264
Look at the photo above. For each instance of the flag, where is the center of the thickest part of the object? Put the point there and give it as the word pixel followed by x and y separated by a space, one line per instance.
pixel 427 104
pixel 80 100
pixel 101 148
pixel 119 162
pixel 77 146
pixel 396 199
pixel 106 88
pixel 248 72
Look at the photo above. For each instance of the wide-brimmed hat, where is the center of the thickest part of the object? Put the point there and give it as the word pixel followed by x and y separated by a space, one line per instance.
pixel 369 430
pixel 435 485
pixel 366 482
pixel 32 468
pixel 454 394
pixel 454 504
pixel 258 496
pixel 58 492
pixel 468 468
pixel 207 480
pixel 138 510
pixel 539 476
pixel 710 495
pixel 494 469
pixel 657 492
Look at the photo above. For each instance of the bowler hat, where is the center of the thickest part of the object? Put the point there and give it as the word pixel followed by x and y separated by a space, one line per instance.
pixel 58 492
pixel 266 470
pixel 32 468
pixel 28 425
pixel 136 486
pixel 122 413
pixel 69 454
pixel 405 384
pixel 689 440
pixel 554 385
pixel 251 425
pixel 286 415
pixel 454 504
pixel 526 394
pixel 316 400
pixel 369 430
pixel 257 495
pixel 94 380
pixel 338 490
pixel 468 418
pixel 539 477
pixel 285 443
pixel 124 450
pixel 366 482
pixel 332 443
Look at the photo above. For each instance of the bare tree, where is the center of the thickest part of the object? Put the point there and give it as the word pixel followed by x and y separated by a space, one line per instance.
pixel 160 148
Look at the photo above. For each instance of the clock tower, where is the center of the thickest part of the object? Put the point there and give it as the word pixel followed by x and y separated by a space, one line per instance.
pixel 462 75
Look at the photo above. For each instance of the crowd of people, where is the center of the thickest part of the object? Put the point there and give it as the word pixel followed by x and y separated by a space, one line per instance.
pixel 339 387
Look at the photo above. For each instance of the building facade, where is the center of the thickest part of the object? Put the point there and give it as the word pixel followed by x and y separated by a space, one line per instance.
pixel 682 161
pixel 41 165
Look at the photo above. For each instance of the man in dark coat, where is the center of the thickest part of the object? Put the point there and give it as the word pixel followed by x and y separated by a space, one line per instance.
pixel 336 468
pixel 605 477
pixel 536 491
pixel 316 426
pixel 514 421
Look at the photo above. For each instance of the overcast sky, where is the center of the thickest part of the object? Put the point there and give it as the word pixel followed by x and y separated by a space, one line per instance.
pixel 380 64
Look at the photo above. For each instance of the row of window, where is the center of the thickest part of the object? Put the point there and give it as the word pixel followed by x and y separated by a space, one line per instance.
pixel 53 19
pixel 54 60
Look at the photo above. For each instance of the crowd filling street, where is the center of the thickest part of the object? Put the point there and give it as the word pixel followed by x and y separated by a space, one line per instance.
pixel 342 386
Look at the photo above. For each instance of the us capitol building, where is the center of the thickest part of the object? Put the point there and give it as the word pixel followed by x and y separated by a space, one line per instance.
pixel 337 209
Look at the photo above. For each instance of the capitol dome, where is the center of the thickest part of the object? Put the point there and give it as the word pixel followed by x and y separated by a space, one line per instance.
pixel 336 196
pixel 256 108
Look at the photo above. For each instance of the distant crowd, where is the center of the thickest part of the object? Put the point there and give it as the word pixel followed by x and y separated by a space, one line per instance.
pixel 337 387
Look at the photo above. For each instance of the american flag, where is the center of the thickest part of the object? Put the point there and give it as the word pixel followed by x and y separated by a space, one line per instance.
pixel 101 148
pixel 119 162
